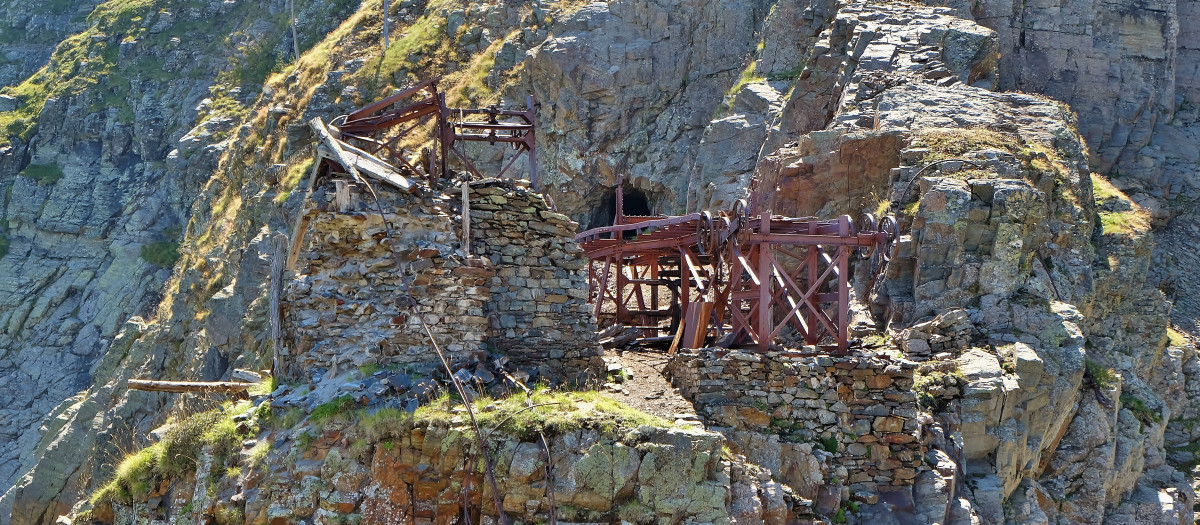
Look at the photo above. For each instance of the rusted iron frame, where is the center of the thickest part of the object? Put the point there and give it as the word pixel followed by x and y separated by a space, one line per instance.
pixel 372 108
pixel 634 262
pixel 776 286
pixel 384 145
pixel 767 283
pixel 810 298
pixel 451 127
pixel 525 142
pixel 644 223
pixel 414 111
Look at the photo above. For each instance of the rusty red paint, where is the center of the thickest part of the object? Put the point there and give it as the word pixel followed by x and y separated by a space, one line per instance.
pixel 371 128
pixel 761 274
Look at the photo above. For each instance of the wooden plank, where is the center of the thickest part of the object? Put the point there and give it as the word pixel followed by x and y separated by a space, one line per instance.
pixel 354 160
pixel 697 324
pixel 378 169
pixel 678 337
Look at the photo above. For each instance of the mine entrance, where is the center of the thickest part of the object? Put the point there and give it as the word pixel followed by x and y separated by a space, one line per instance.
pixel 637 203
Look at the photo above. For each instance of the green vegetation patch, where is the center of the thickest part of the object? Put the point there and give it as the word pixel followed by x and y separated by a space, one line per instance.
pixel 1140 410
pixel 1174 337
pixel 163 253
pixel 4 242
pixel 339 409
pixel 748 76
pixel 927 387
pixel 474 89
pixel 1102 376
pixel 1117 214
pixel 951 143
pixel 424 43
pixel 1123 224
pixel 177 455
pixel 557 412
pixel 790 74
pixel 44 174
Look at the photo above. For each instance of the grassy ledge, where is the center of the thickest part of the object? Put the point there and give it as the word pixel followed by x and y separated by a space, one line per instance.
pixel 178 452
pixel 556 412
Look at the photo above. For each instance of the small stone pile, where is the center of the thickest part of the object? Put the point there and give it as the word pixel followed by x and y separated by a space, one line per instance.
pixel 948 333
pixel 860 408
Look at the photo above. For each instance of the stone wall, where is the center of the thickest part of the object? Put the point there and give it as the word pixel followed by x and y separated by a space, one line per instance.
pixel 538 312
pixel 346 304
pixel 519 292
pixel 860 408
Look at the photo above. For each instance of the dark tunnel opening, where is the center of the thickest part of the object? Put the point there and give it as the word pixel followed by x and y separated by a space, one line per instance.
pixel 636 203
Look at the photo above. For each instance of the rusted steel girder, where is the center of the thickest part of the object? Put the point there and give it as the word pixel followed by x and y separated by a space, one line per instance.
pixel 371 128
pixel 740 278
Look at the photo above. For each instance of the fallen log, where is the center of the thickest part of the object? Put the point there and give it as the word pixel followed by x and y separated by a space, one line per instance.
pixel 210 387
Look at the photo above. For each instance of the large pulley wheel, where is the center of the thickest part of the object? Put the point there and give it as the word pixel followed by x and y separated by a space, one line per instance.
pixel 741 218
pixel 890 246
pixel 705 240
pixel 865 223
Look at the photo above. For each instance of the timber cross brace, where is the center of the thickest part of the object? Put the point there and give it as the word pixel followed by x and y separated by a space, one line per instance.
pixel 741 278
pixel 370 129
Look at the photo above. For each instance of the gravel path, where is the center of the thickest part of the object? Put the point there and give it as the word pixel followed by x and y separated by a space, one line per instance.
pixel 648 390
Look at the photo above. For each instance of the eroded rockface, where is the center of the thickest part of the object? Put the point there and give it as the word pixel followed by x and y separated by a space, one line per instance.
pixel 403 468
pixel 1128 70
pixel 102 176
pixel 29 34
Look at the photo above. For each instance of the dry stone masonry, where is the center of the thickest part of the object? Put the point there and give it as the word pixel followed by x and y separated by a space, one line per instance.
pixel 519 291
pixel 860 408
pixel 538 310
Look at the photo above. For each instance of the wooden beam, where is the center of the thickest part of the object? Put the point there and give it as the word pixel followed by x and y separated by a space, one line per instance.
pixel 354 160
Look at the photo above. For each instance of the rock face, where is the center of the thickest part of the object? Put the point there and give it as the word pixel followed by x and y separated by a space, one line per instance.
pixel 629 87
pixel 96 194
pixel 1130 74
pixel 29 34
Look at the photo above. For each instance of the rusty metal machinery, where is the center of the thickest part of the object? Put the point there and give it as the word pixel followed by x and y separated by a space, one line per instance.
pixel 371 128
pixel 739 278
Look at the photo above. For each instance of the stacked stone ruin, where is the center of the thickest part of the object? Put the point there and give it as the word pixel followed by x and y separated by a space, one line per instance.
pixel 860 408
pixel 518 292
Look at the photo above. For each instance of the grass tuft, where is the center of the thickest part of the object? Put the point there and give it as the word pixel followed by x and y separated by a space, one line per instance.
pixel 925 385
pixel 1118 214
pixel 339 409
pixel 1140 410
pixel 175 456
pixel 560 412
pixel 1102 376
pixel 164 253
pixel 44 174
pixel 1174 337
pixel 949 143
